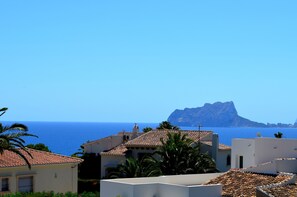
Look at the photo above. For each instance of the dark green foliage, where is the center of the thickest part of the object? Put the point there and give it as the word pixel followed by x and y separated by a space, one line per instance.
pixel 52 194
pixel 11 138
pixel 180 155
pixel 167 125
pixel 90 185
pixel 134 168
pixel 177 155
pixel 278 135
pixel 147 129
pixel 39 146
pixel 90 168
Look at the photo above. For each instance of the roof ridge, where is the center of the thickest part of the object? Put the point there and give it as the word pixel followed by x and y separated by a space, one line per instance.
pixel 52 153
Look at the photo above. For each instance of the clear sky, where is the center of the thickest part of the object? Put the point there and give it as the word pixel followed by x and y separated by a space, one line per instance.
pixel 137 61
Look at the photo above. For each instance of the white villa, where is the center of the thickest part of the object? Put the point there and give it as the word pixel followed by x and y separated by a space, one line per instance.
pixel 49 172
pixel 259 151
pixel 265 167
pixel 108 143
pixel 150 141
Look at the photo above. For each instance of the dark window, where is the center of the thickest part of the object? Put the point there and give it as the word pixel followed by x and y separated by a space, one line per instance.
pixel 240 161
pixel 5 185
pixel 141 155
pixel 228 160
pixel 128 153
pixel 25 184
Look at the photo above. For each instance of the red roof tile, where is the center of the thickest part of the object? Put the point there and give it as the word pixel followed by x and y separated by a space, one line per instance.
pixel 10 159
pixel 152 138
pixel 221 146
pixel 116 151
pixel 237 183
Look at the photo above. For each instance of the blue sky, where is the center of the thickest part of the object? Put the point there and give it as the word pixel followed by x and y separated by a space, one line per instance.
pixel 137 61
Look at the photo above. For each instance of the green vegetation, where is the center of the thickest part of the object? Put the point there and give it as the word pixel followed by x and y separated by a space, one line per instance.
pixel 11 138
pixel 180 155
pixel 133 168
pixel 52 194
pixel 39 146
pixel 89 172
pixel 167 125
pixel 147 129
pixel 278 135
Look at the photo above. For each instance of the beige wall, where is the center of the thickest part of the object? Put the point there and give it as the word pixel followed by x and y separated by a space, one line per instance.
pixel 103 144
pixel 57 178
pixel 221 161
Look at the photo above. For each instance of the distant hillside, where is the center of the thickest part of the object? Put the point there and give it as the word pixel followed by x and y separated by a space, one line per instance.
pixel 212 115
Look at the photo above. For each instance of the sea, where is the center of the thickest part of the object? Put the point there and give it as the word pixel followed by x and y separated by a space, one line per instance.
pixel 67 137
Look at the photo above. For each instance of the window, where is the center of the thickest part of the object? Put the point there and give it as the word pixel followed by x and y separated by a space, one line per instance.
pixel 25 184
pixel 240 161
pixel 228 160
pixel 4 185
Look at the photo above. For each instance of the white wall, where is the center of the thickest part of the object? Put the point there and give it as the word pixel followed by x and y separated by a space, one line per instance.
pixel 206 191
pixel 245 148
pixel 222 160
pixel 146 190
pixel 169 190
pixel 164 186
pixel 57 178
pixel 267 149
pixel 286 165
pixel 113 189
pixel 110 161
pixel 103 144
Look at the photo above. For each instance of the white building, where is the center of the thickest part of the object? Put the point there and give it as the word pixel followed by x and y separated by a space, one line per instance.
pixel 108 143
pixel 165 186
pixel 268 166
pixel 150 141
pixel 253 152
pixel 49 172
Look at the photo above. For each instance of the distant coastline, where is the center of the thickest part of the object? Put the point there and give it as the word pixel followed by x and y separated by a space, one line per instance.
pixel 217 115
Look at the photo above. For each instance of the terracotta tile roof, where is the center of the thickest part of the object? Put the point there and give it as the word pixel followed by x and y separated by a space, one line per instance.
pixel 221 146
pixel 283 191
pixel 117 151
pixel 10 159
pixel 237 183
pixel 152 138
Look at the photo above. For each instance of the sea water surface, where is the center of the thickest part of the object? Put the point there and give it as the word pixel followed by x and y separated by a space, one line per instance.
pixel 67 137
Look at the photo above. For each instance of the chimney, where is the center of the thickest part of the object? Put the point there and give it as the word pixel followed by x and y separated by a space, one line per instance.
pixel 215 146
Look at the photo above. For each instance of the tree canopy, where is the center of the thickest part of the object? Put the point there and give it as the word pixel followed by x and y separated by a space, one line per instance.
pixel 39 146
pixel 11 138
pixel 167 125
pixel 278 135
pixel 147 129
pixel 181 155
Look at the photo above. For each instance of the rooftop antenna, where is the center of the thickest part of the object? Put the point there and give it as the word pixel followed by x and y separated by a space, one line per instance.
pixel 199 136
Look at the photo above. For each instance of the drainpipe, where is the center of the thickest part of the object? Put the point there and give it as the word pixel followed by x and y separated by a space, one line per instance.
pixel 215 146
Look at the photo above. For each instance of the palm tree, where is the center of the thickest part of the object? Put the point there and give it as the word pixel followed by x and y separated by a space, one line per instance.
pixel 278 135
pixel 147 129
pixel 167 125
pixel 11 138
pixel 134 168
pixel 180 155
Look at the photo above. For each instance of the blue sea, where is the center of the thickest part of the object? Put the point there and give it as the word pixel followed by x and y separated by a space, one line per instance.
pixel 67 137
